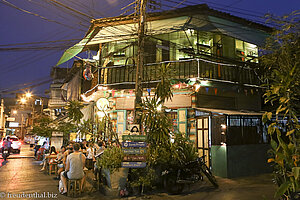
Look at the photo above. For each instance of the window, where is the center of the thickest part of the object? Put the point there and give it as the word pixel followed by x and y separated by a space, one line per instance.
pixel 246 51
pixel 244 130
pixel 38 102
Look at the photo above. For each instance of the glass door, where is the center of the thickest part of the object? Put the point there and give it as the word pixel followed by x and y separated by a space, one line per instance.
pixel 203 139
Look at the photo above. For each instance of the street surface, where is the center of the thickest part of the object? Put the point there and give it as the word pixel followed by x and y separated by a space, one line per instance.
pixel 21 175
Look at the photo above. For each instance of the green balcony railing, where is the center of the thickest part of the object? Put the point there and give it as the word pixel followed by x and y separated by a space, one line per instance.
pixel 183 69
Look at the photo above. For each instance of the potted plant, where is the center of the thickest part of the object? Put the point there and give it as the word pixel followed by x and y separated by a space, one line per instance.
pixel 115 176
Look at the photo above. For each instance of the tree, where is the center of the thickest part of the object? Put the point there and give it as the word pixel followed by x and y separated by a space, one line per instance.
pixel 74 111
pixel 44 126
pixel 282 65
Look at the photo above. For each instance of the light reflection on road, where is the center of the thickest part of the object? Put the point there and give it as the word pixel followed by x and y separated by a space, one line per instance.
pixel 2 162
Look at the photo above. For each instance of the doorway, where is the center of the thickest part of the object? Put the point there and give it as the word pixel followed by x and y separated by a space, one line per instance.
pixel 203 138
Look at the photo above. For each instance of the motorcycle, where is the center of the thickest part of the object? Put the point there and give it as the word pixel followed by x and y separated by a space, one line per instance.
pixel 174 180
pixel 5 153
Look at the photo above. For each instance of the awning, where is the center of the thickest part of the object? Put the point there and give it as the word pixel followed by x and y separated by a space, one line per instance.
pixel 129 31
pixel 226 27
pixel 231 112
pixel 197 22
pixel 76 49
pixel 125 32
pixel 239 31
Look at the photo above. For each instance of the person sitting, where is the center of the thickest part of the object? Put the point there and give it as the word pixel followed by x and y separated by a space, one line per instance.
pixel 41 151
pixel 83 147
pixel 90 157
pixel 99 151
pixel 60 161
pixel 49 157
pixel 75 164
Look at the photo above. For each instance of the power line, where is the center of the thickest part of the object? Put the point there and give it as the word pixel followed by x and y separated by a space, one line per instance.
pixel 25 87
pixel 40 42
pixel 29 56
pixel 55 11
pixel 37 15
pixel 222 8
pixel 10 69
pixel 69 8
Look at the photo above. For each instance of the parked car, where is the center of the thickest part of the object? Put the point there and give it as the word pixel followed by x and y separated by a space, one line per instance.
pixel 15 143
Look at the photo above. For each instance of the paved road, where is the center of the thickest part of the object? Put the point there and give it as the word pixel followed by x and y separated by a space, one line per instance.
pixel 20 174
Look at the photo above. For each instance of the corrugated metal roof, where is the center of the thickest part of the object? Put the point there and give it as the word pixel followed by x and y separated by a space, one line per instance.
pixel 230 112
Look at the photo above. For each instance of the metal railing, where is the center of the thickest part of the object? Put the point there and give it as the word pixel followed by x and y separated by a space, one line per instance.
pixel 183 69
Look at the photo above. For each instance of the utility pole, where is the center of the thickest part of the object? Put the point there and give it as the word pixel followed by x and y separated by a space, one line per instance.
pixel 140 61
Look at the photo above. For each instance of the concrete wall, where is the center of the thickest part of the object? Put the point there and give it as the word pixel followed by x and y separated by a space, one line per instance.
pixel 240 160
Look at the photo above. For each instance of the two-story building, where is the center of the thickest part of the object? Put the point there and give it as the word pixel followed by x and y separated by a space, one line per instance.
pixel 217 79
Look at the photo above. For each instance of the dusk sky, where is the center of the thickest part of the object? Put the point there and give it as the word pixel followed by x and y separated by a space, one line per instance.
pixel 29 64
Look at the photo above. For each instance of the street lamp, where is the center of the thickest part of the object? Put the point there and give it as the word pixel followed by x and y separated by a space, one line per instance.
pixel 14 112
pixel 23 100
pixel 28 95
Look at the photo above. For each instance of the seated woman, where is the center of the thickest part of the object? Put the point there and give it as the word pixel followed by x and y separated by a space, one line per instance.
pixel 49 157
pixel 75 164
pixel 60 161
pixel 90 156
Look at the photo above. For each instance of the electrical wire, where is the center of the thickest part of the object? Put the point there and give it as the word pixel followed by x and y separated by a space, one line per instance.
pixel 32 55
pixel 10 69
pixel 37 15
pixel 40 42
pixel 219 8
pixel 25 87
pixel 49 6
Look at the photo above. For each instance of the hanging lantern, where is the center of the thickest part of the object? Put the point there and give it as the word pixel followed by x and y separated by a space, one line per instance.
pixel 87 73
pixel 113 93
pixel 177 86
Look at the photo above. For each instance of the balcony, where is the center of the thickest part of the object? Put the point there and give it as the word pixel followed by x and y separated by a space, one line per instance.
pixel 183 69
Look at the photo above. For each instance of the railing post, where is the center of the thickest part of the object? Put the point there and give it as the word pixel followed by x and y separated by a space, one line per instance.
pixel 198 72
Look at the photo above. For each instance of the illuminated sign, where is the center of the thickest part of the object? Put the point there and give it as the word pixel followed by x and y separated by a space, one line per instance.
pixel 10 119
pixel 14 124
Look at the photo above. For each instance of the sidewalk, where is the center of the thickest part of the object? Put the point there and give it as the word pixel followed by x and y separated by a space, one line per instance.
pixel 258 187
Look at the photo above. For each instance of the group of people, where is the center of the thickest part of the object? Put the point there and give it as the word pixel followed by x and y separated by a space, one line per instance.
pixel 72 160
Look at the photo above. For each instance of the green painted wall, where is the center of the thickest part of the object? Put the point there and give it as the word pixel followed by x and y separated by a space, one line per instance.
pixel 219 160
pixel 247 160
pixel 240 160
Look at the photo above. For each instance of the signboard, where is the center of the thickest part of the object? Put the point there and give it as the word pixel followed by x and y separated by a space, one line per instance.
pixel 141 158
pixel 57 134
pixel 134 151
pixel 134 137
pixel 10 119
pixel 179 101
pixel 133 164
pixel 126 103
pixel 134 144
pixel 13 124
pixel 134 129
